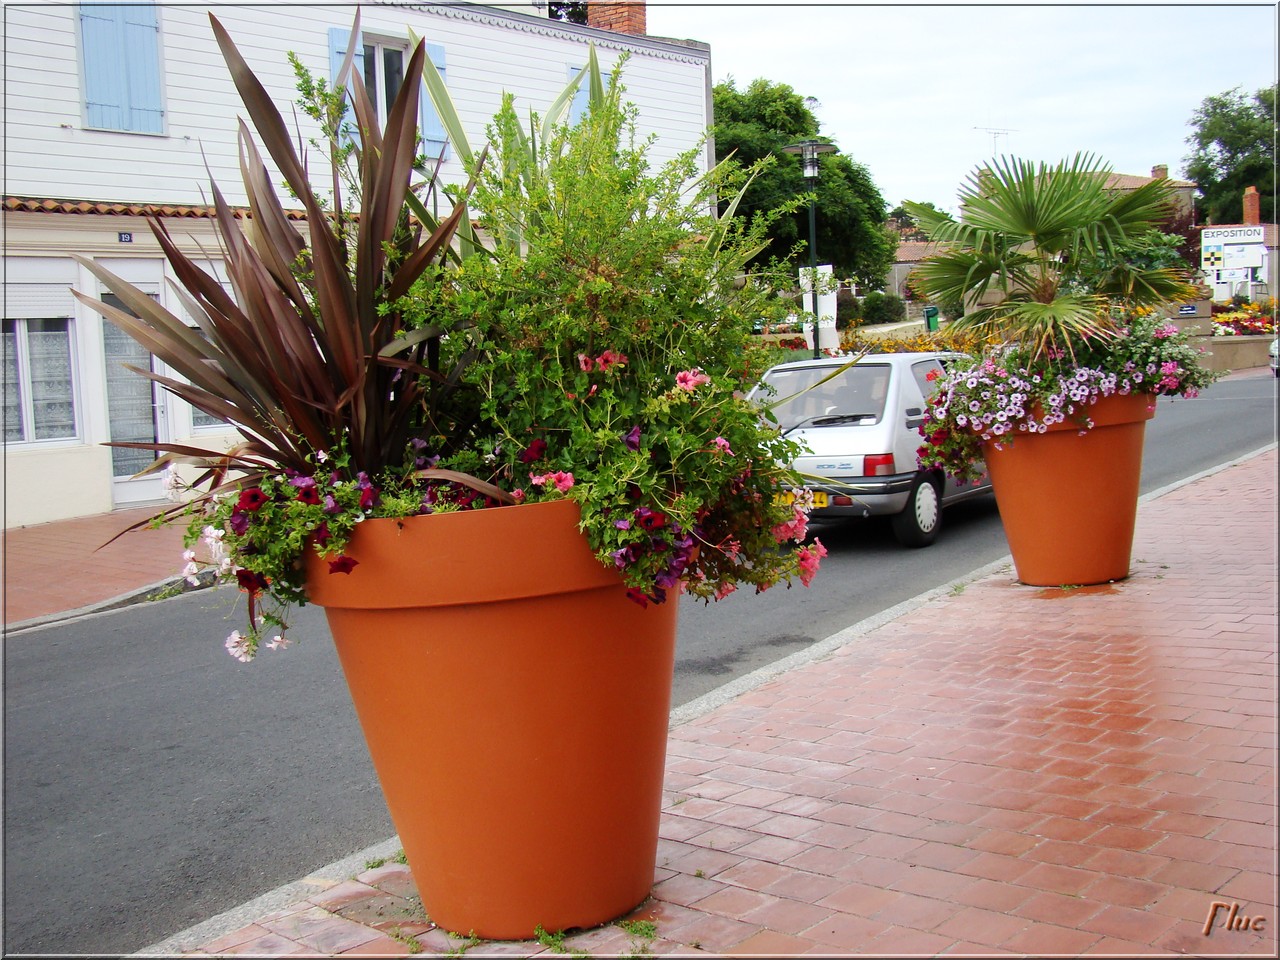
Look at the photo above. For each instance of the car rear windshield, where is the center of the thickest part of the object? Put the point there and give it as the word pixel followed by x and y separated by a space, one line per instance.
pixel 801 397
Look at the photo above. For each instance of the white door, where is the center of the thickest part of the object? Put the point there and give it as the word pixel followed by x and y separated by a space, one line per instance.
pixel 137 408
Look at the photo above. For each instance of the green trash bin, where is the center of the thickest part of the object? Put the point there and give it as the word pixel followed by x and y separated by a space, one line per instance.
pixel 931 318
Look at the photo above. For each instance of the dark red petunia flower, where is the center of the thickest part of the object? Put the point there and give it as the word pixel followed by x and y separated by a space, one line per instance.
pixel 251 500
pixel 251 582
pixel 309 495
pixel 651 519
pixel 342 564
pixel 535 452
pixel 637 596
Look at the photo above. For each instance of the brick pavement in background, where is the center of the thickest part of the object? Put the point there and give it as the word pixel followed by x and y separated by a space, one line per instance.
pixel 51 568
pixel 1002 770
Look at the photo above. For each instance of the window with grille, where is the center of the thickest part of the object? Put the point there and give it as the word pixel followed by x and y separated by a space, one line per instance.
pixel 39 399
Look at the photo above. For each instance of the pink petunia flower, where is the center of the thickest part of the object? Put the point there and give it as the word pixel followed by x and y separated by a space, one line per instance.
pixel 690 380
pixel 563 481
pixel 610 358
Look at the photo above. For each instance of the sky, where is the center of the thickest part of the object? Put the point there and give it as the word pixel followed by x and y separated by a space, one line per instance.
pixel 922 94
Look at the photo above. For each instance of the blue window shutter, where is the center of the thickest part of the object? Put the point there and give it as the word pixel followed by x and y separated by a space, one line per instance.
pixel 120 47
pixel 141 34
pixel 435 141
pixel 101 43
pixel 580 97
pixel 338 38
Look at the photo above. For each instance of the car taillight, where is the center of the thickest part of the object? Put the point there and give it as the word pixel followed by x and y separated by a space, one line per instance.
pixel 878 465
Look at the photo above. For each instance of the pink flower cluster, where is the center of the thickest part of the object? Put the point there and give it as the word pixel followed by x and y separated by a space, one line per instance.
pixel 1170 375
pixel 562 481
pixel 810 557
pixel 796 527
pixel 606 361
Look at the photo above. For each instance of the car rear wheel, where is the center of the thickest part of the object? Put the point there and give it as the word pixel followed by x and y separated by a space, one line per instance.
pixel 918 524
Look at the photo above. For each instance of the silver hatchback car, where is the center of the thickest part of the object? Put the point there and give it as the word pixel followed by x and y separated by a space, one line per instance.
pixel 861 428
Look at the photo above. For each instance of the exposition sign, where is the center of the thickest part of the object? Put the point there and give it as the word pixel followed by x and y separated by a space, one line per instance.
pixel 1231 248
pixel 1222 235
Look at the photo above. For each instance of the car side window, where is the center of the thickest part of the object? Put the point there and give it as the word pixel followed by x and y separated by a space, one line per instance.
pixel 920 374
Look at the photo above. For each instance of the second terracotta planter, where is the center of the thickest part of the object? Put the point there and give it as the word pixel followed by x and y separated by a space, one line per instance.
pixel 1068 500
pixel 515 704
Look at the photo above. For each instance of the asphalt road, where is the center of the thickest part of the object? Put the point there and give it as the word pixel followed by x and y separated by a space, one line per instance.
pixel 152 782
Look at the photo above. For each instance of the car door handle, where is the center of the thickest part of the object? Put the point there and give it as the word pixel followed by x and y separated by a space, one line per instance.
pixel 915 418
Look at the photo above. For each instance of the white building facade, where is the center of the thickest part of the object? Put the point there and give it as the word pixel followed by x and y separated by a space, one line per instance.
pixel 117 111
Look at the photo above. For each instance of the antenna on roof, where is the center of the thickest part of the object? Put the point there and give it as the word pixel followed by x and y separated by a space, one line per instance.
pixel 996 132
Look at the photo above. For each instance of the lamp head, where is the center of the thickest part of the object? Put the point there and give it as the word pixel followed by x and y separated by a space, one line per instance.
pixel 809 151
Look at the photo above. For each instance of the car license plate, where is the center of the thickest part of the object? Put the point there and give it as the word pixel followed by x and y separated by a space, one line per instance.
pixel 819 498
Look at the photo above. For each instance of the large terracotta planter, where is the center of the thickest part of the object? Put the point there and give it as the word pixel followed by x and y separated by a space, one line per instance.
pixel 1068 501
pixel 515 704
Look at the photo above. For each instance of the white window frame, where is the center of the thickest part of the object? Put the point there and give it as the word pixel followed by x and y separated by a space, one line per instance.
pixel 432 136
pixel 379 45
pixel 26 403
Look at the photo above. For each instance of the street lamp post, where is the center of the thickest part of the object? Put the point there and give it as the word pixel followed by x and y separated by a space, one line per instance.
pixel 809 151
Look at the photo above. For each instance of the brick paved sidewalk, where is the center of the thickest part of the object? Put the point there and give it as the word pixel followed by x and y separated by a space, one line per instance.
pixel 53 568
pixel 1003 769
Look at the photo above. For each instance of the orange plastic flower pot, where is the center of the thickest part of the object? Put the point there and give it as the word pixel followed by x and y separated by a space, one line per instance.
pixel 515 703
pixel 1068 500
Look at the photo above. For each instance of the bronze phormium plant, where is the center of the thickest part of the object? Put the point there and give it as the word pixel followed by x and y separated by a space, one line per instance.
pixel 310 352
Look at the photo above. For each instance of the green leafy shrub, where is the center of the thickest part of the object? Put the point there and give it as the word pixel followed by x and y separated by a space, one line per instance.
pixel 880 307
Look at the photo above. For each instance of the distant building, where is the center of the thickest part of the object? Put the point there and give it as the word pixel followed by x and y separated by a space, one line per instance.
pixel 1183 190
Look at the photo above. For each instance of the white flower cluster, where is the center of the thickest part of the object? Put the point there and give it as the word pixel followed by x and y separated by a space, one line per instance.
pixel 219 560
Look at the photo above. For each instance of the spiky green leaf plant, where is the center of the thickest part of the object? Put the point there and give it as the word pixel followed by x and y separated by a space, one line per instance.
pixel 1013 258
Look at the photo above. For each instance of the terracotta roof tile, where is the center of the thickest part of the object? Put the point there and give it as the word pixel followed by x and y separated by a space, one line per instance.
pixel 1131 181
pixel 913 251
pixel 100 208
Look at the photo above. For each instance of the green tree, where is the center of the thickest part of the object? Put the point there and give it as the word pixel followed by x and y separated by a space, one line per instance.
pixel 757 123
pixel 568 11
pixel 1234 146
pixel 907 225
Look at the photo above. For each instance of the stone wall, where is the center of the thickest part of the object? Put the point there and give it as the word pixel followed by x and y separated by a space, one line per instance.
pixel 1234 353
